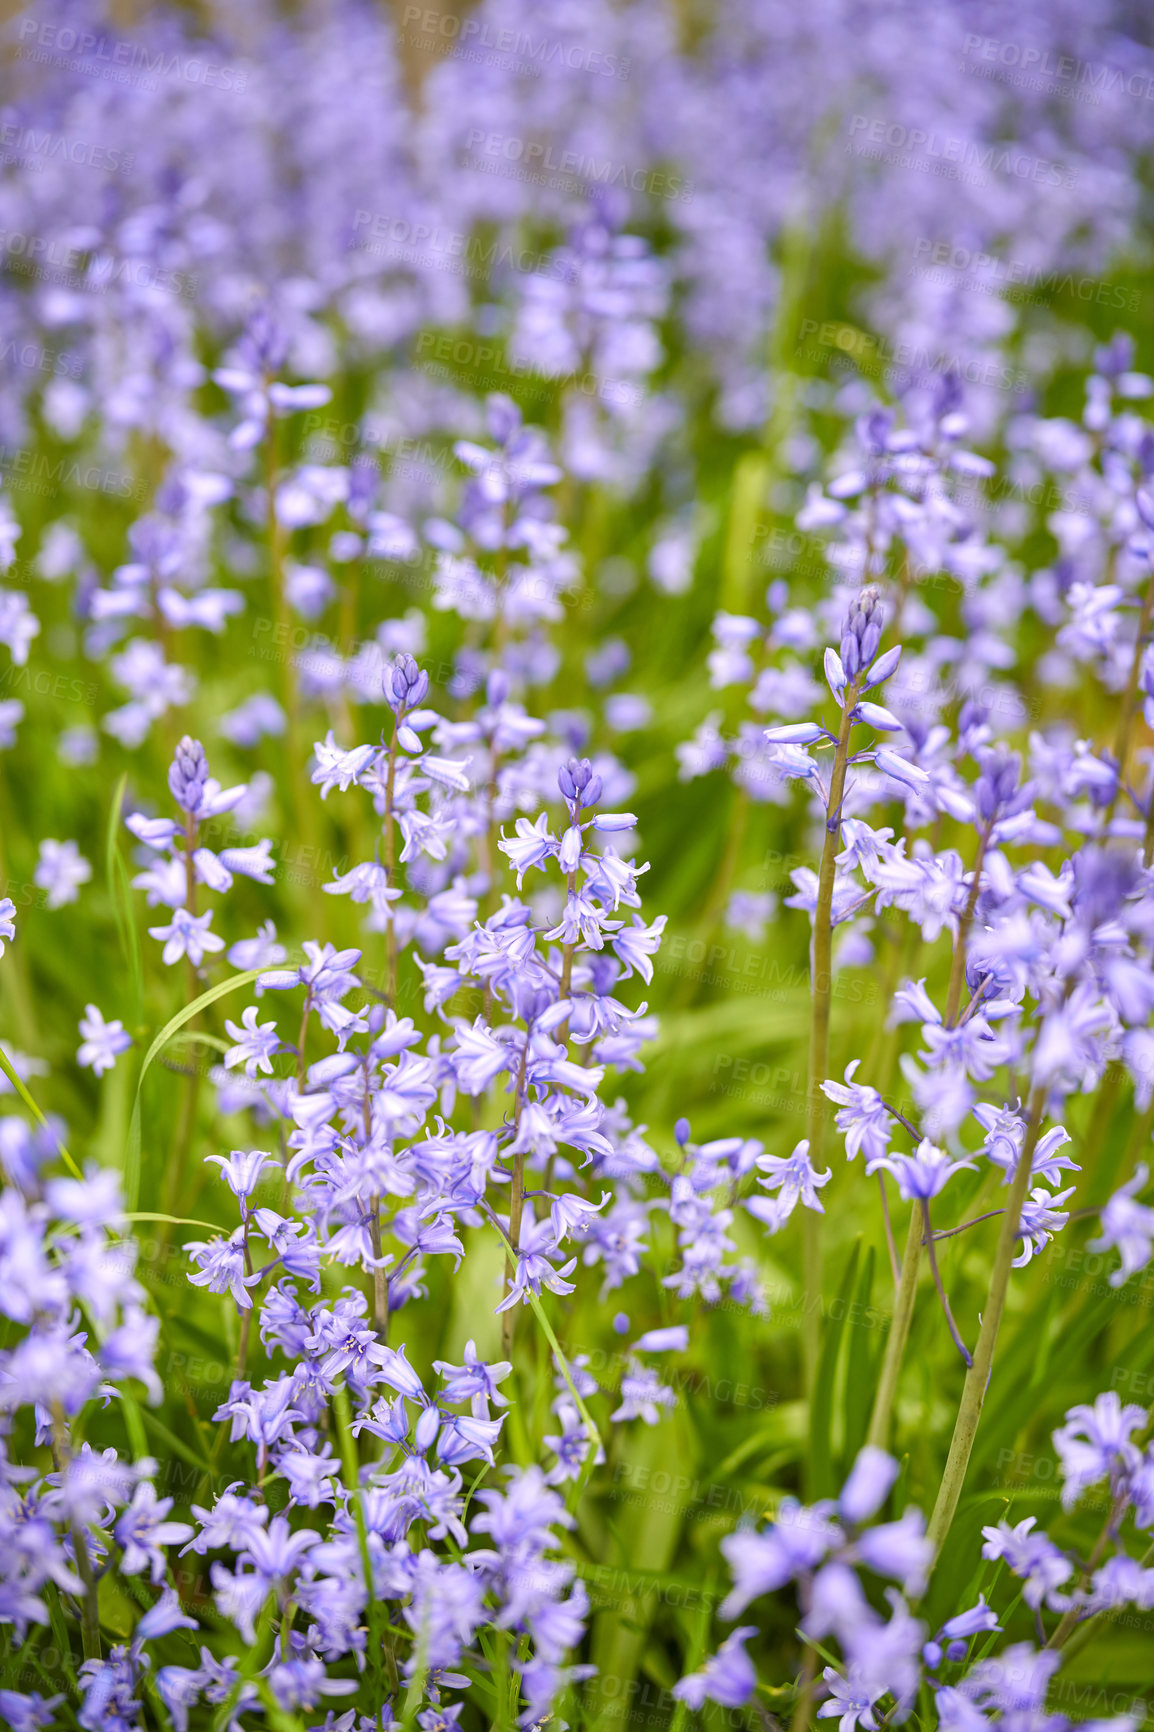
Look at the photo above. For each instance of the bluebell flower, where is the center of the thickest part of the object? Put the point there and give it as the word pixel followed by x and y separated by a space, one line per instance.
pixel 1127 1227
pixel 187 935
pixel 795 1181
pixel 142 1531
pixel 60 872
pixel 863 1118
pixel 102 1043
pixel 727 1678
pixel 1095 1444
pixel 923 1174
pixel 1034 1558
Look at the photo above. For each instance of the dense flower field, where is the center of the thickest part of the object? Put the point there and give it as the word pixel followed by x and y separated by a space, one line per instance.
pixel 576 866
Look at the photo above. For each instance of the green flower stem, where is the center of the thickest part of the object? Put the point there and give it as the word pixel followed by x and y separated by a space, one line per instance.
pixel 378 1644
pixel 958 966
pixel 90 1604
pixel 517 1200
pixel 187 1127
pixel 879 1426
pixel 978 1376
pixel 1130 696
pixel 822 982
pixel 389 839
pixel 803 1707
pixel 1070 1617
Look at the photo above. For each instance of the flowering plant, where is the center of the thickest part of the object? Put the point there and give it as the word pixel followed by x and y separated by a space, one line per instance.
pixel 594 823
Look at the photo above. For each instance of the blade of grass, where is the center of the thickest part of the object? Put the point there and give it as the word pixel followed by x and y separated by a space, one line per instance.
pixel 6 1067
pixel 120 893
pixel 174 1023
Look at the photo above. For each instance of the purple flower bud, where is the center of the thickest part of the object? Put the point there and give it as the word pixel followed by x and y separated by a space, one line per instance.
pixel 862 632
pixel 577 782
pixel 868 1486
pixel 877 716
pixel 681 1132
pixel 795 734
pixel 998 782
pixel 621 1323
pixel 188 774
pixel 502 417
pixel 835 673
pixel 884 667
pixel 497 686
pixel 900 769
pixel 428 1426
pixel 873 430
pixel 405 684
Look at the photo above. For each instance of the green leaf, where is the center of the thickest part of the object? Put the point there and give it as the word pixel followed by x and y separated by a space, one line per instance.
pixel 176 1444
pixel 566 1372
pixel 186 1014
pixel 6 1067
pixel 120 893
pixel 172 1220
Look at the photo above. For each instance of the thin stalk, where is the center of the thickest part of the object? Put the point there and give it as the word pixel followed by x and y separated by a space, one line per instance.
pixel 1070 1617
pixel 804 1704
pixel 933 1256
pixel 275 537
pixel 516 1207
pixel 380 1275
pixel 490 837
pixel 380 1644
pixel 891 1247
pixel 90 1604
pixel 958 966
pixel 978 1376
pixel 390 843
pixel 1130 696
pixel 822 953
pixel 1090 1626
pixel 245 1316
pixel 879 1426
pixel 179 1162
pixel 950 1232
